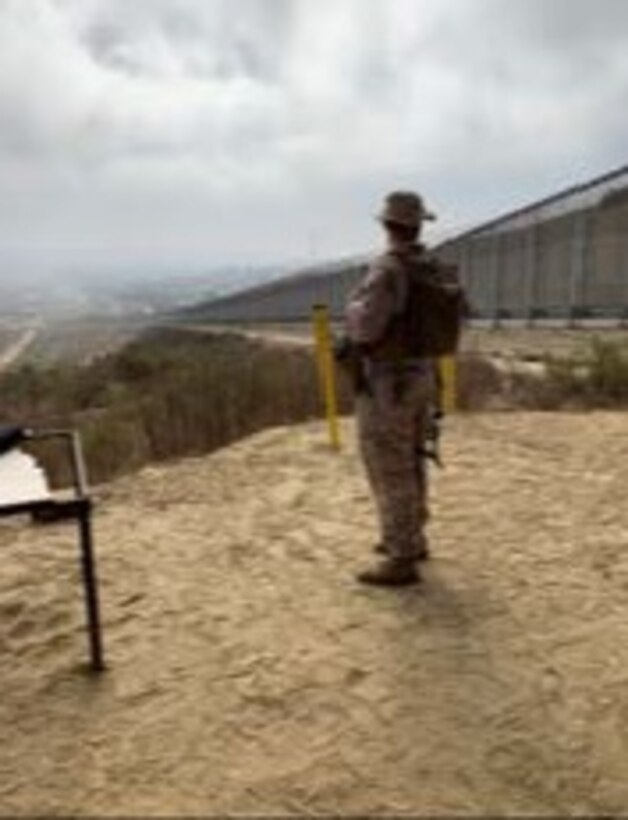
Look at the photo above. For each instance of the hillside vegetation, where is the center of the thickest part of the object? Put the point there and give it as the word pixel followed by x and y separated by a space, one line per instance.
pixel 173 393
pixel 167 394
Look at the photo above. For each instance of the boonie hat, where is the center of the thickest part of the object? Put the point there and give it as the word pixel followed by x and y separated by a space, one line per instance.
pixel 405 208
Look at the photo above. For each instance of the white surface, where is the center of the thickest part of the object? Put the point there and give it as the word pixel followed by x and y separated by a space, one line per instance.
pixel 21 479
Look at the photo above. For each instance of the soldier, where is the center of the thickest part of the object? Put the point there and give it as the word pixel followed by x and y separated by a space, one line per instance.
pixel 397 395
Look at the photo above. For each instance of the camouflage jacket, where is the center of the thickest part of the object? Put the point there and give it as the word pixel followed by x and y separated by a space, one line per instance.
pixel 379 297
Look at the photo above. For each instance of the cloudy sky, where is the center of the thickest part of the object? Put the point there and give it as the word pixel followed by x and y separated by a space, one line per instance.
pixel 146 133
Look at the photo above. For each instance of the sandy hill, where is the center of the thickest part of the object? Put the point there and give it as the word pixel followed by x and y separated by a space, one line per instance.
pixel 250 674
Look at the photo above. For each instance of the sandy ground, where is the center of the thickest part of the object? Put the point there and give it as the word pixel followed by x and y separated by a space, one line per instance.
pixel 250 674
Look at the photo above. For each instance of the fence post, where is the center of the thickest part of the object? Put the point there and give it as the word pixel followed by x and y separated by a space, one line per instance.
pixel 496 295
pixel 531 265
pixel 322 335
pixel 577 267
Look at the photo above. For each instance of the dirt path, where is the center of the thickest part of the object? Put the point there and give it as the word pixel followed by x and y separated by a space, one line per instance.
pixel 511 350
pixel 500 342
pixel 301 337
pixel 18 348
pixel 250 674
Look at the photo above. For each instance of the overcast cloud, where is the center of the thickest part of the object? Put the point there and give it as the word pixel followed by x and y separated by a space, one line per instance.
pixel 197 132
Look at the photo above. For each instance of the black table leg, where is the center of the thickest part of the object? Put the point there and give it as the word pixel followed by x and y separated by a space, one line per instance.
pixel 90 582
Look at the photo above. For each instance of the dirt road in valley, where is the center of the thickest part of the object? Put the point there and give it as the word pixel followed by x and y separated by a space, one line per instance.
pixel 11 355
pixel 250 674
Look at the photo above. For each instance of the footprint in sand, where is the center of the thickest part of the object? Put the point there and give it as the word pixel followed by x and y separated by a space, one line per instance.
pixel 11 611
pixel 289 494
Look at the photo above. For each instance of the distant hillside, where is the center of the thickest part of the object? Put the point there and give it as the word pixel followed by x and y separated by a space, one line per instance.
pixel 123 292
pixel 230 285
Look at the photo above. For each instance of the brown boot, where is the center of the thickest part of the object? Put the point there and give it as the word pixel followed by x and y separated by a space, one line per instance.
pixel 392 572
pixel 423 555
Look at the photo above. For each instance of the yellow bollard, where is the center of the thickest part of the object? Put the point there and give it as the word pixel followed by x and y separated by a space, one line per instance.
pixel 322 335
pixel 448 381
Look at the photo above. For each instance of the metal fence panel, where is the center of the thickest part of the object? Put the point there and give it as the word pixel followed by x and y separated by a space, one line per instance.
pixel 572 263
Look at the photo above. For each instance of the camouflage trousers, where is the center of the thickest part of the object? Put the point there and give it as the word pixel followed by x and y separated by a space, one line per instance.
pixel 392 422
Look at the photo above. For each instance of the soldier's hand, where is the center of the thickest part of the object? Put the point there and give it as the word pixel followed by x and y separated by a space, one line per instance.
pixel 343 349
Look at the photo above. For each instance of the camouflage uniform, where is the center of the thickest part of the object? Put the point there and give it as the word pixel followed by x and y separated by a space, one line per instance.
pixel 393 413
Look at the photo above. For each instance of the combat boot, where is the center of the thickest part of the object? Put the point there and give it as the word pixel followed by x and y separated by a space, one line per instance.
pixel 422 555
pixel 391 572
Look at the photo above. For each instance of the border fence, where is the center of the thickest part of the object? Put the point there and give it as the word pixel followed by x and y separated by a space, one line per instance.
pixel 564 258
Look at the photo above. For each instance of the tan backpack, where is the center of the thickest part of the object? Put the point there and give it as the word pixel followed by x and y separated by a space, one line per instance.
pixel 435 309
pixel 430 323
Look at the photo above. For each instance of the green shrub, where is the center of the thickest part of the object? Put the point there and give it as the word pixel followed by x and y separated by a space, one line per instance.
pixel 594 377
pixel 608 371
pixel 479 382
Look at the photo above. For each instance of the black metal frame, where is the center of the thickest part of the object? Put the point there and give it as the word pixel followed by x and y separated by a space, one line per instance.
pixel 80 508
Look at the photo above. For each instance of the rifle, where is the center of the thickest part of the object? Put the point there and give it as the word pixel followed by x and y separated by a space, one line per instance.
pixel 350 358
pixel 431 448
